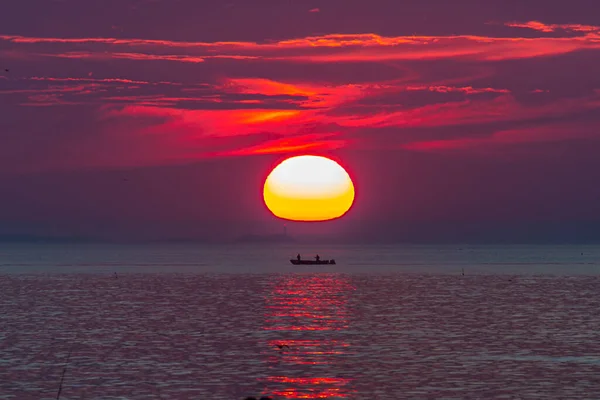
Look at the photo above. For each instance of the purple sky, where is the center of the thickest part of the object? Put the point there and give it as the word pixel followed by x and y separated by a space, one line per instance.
pixel 156 119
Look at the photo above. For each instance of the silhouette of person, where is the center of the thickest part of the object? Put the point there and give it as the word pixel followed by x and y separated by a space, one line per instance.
pixel 317 257
pixel 298 256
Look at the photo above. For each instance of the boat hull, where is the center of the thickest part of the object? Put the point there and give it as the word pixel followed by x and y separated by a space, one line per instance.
pixel 312 262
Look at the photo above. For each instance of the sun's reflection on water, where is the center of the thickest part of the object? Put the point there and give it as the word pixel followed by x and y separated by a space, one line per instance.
pixel 308 315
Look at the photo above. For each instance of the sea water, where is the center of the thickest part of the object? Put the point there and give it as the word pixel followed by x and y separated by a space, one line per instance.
pixel 226 322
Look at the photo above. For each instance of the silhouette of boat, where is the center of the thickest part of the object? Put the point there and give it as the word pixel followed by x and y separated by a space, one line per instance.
pixel 312 262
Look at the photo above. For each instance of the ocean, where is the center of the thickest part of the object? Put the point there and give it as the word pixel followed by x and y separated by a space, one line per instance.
pixel 182 321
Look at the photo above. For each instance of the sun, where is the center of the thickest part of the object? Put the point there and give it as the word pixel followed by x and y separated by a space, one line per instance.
pixel 308 188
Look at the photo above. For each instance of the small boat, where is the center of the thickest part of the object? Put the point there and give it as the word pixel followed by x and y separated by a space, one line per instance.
pixel 312 262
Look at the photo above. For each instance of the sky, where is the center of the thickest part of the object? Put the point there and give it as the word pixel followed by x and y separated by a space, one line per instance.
pixel 160 119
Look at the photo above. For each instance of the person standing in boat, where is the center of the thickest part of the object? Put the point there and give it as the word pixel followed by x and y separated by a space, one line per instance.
pixel 298 256
pixel 317 258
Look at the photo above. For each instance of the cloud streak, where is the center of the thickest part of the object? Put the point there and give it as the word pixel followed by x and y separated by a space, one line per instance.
pixel 262 94
pixel 368 47
pixel 551 28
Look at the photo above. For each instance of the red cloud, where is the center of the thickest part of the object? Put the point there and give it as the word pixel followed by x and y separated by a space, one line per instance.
pixel 92 80
pixel 300 143
pixel 202 132
pixel 366 47
pixel 549 28
pixel 320 120
pixel 449 89
pixel 243 116
pixel 126 56
pixel 321 96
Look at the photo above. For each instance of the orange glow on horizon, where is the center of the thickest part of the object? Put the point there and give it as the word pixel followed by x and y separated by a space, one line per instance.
pixel 308 188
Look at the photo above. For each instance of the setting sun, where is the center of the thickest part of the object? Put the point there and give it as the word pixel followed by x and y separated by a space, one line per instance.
pixel 308 188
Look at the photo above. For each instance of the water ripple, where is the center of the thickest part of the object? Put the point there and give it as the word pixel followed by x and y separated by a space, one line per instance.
pixel 395 336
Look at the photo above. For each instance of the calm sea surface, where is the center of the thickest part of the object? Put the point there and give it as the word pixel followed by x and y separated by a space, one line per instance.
pixel 199 322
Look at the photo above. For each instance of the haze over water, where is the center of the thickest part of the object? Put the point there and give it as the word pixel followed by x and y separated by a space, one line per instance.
pixel 386 322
